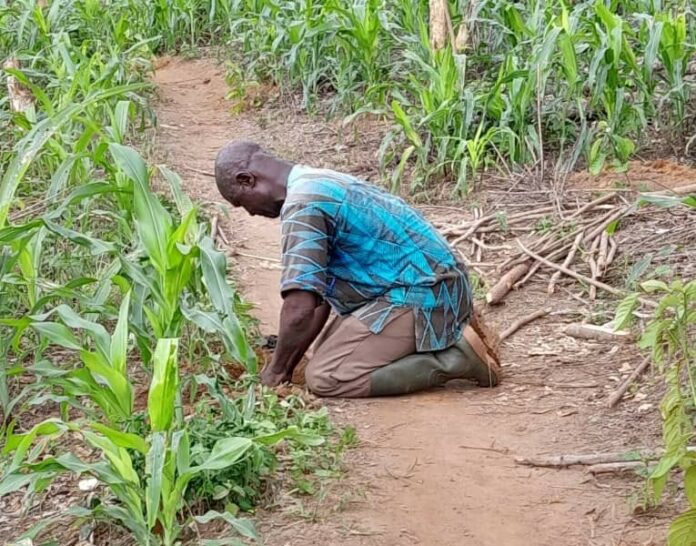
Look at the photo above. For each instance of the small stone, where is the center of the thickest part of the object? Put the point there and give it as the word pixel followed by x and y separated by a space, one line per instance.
pixel 645 407
pixel 90 484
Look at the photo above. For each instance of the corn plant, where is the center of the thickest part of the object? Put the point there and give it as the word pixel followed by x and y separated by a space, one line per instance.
pixel 178 256
pixel 149 506
pixel 142 502
pixel 669 336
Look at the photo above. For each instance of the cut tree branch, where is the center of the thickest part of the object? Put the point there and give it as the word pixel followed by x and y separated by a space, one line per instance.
pixel 505 284
pixel 617 395
pixel 522 322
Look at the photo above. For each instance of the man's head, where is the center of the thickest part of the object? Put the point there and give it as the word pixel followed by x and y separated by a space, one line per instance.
pixel 249 177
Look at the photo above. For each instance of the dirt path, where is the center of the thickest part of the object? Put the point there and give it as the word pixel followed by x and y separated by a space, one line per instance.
pixel 435 469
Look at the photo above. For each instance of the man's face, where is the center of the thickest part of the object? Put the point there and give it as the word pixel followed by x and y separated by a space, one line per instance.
pixel 254 200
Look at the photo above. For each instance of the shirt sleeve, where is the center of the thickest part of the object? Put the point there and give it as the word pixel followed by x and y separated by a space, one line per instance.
pixel 306 232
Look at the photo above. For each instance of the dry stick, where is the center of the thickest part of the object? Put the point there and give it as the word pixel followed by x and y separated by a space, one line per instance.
pixel 256 257
pixel 214 228
pixel 613 247
pixel 223 237
pixel 611 217
pixel 594 269
pixel 603 252
pixel 569 260
pixel 522 322
pixel 597 333
pixel 532 270
pixel 537 244
pixel 505 284
pixel 477 222
pixel 553 245
pixel 562 461
pixel 570 272
pixel 484 246
pixel 581 278
pixel 555 249
pixel 681 190
pixel 593 204
pixel 198 171
pixel 617 395
pixel 606 468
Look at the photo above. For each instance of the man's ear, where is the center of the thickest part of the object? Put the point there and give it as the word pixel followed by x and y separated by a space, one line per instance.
pixel 246 179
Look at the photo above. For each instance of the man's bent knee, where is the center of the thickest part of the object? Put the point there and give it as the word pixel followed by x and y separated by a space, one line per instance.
pixel 320 383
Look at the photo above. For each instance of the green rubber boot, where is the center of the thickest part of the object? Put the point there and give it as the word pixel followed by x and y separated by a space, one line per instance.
pixel 422 371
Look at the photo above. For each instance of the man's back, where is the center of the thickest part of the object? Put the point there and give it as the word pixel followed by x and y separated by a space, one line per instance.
pixel 367 252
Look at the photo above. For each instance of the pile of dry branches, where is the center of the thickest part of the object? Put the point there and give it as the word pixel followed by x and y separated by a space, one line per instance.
pixel 580 233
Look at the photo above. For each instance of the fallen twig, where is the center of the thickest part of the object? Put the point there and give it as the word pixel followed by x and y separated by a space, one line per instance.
pixel 681 190
pixel 214 228
pixel 505 284
pixel 586 459
pixel 198 171
pixel 503 451
pixel 522 322
pixel 256 257
pixel 223 237
pixel 617 395
pixel 598 333
pixel 603 252
pixel 613 247
pixel 607 468
pixel 571 273
pixel 594 268
pixel 566 263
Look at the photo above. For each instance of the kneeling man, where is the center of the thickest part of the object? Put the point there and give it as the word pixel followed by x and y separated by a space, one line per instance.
pixel 402 299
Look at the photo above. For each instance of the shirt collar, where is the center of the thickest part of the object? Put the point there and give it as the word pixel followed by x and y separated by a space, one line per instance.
pixel 295 174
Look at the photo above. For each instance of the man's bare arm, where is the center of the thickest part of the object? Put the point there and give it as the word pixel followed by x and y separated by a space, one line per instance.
pixel 301 319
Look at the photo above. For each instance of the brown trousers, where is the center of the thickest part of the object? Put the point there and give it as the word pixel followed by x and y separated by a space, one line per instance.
pixel 346 352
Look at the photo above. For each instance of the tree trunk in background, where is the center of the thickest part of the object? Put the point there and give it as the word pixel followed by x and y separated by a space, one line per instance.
pixel 20 98
pixel 440 24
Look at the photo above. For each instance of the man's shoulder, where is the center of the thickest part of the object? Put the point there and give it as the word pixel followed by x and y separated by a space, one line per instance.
pixel 308 185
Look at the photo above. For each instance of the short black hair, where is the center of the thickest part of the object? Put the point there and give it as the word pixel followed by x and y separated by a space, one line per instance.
pixel 234 157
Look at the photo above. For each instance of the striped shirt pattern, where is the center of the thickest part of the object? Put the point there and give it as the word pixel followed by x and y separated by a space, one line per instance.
pixel 367 253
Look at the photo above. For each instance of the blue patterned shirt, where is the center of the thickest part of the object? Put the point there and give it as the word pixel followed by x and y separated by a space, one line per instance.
pixel 367 253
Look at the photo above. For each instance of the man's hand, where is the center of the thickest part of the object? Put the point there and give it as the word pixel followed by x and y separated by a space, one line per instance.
pixel 301 319
pixel 271 378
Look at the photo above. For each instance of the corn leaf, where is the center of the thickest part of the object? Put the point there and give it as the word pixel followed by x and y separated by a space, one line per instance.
pixel 122 439
pixel 57 333
pixel 183 203
pixel 165 384
pixel 27 148
pixel 154 468
pixel 153 222
pixel 96 246
pixel 117 456
pixel 119 340
pixel 244 527
pixel 96 330
pixel 117 384
pixel 290 433
pixel 214 267
pixel 224 454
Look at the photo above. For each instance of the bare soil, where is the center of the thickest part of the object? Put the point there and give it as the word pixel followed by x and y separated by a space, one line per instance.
pixel 436 469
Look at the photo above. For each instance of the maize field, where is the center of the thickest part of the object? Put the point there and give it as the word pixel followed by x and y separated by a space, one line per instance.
pixel 117 316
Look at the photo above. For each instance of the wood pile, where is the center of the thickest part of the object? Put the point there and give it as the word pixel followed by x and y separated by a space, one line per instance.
pixel 554 240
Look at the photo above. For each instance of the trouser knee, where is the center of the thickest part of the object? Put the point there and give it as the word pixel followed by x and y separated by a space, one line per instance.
pixel 320 383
